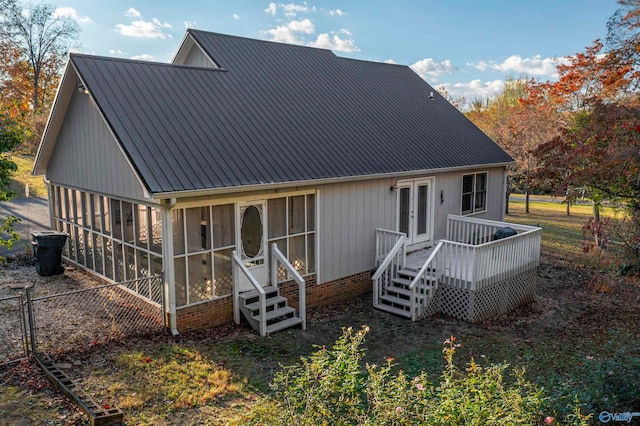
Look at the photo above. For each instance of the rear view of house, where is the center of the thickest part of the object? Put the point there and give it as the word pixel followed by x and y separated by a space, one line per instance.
pixel 261 177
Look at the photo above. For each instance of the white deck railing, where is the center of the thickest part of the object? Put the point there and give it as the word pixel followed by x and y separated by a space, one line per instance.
pixel 278 258
pixel 428 275
pixel 475 260
pixel 385 240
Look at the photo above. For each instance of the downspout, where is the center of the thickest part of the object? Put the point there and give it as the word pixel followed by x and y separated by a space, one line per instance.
pixel 169 271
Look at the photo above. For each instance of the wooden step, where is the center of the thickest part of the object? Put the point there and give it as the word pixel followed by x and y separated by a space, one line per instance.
pixel 397 311
pixel 408 273
pixel 394 300
pixel 420 293
pixel 269 302
pixel 276 313
pixel 247 295
pixel 281 325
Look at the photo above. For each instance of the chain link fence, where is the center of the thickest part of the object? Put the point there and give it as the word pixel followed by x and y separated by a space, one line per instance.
pixel 73 321
pixel 76 320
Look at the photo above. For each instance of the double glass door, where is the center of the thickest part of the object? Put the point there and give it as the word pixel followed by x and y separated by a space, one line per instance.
pixel 415 211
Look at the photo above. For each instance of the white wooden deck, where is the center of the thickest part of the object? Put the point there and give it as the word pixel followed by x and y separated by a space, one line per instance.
pixel 469 261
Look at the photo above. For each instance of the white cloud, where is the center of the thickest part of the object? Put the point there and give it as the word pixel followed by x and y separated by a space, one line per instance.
pixel 236 16
pixel 290 33
pixel 144 29
pixel 116 52
pixel 132 13
pixel 431 68
pixel 271 9
pixel 70 12
pixel 535 65
pixel 345 32
pixel 474 89
pixel 290 10
pixel 190 24
pixel 324 41
pixel 337 12
pixel 390 61
pixel 143 57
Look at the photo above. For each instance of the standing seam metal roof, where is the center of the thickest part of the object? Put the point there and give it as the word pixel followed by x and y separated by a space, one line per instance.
pixel 277 113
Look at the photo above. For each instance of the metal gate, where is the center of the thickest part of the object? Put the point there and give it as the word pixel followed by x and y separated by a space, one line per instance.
pixel 13 335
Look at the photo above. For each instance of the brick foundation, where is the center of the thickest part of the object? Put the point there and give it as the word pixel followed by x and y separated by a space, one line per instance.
pixel 220 311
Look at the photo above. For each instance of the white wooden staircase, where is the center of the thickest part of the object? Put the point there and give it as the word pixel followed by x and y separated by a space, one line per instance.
pixel 397 298
pixel 278 314
pixel 263 307
pixel 401 290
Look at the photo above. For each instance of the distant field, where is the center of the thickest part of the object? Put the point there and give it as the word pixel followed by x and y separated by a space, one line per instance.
pixel 23 177
pixel 561 234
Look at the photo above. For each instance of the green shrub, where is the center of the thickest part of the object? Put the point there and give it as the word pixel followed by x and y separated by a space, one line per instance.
pixel 333 387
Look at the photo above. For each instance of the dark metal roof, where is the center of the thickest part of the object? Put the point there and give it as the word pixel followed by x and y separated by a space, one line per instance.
pixel 276 113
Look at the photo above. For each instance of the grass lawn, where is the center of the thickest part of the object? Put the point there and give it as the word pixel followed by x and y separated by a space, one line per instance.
pixel 574 342
pixel 23 177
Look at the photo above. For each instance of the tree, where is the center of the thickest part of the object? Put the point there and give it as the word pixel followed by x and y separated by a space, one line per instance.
pixel 623 39
pixel 601 151
pixel 11 135
pixel 34 44
pixel 517 126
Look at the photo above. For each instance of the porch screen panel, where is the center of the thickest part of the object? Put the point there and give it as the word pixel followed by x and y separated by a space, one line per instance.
pixel 291 226
pixel 224 240
pixel 88 218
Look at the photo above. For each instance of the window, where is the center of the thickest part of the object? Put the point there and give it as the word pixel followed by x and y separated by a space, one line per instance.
pixel 474 193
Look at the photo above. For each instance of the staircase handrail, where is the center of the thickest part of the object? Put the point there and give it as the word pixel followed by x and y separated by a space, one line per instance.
pixel 386 263
pixel 387 260
pixel 413 287
pixel 238 265
pixel 277 256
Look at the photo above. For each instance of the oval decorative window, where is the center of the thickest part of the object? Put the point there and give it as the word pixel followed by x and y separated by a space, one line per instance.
pixel 251 232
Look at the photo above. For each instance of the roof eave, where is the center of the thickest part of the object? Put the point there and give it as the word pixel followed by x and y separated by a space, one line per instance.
pixel 315 182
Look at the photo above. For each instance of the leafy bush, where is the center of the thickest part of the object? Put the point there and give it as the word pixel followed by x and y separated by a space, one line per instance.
pixel 332 386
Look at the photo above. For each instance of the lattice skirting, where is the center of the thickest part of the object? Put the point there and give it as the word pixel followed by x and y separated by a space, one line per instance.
pixel 493 300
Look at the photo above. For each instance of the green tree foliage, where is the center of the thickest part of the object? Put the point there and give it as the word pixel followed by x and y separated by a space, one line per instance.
pixel 11 135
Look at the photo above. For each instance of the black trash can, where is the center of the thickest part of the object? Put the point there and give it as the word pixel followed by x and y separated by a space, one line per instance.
pixel 47 249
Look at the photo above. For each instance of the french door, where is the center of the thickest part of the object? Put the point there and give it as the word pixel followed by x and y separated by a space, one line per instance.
pixel 415 211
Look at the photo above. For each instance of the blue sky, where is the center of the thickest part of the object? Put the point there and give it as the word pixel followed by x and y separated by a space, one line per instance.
pixel 467 46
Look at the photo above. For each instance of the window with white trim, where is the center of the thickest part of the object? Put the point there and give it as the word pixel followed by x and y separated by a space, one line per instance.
pixel 474 193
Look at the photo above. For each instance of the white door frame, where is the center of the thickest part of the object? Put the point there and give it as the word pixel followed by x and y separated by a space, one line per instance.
pixel 415 239
pixel 257 265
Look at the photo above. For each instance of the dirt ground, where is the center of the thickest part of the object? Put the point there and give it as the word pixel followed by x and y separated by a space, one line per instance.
pixel 569 305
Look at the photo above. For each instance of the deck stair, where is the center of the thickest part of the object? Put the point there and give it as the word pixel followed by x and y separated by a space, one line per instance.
pixel 279 315
pixel 397 297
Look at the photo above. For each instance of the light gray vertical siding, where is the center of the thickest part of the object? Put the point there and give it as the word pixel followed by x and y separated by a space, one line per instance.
pixel 350 212
pixel 348 215
pixel 88 157
pixel 197 58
